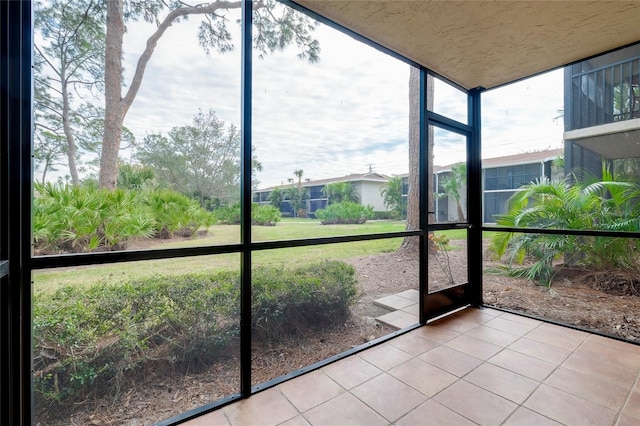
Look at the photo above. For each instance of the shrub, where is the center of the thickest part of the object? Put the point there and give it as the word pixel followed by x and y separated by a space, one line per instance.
pixel 91 341
pixel 285 301
pixel 605 205
pixel 81 219
pixel 227 215
pixel 384 215
pixel 346 212
pixel 175 213
pixel 265 215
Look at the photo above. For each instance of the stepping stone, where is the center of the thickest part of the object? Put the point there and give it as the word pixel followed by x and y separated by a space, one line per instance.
pixel 394 302
pixel 398 319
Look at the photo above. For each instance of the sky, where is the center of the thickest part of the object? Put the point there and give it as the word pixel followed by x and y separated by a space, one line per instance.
pixel 346 114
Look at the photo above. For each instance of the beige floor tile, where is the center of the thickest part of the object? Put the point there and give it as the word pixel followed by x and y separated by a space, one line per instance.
pixel 625 420
pixel 344 410
pixel 568 409
pixel 474 347
pixel 555 335
pixel 586 380
pixel 542 351
pixel 525 417
pixel 596 366
pixel 451 360
pixel 413 343
pixel 265 408
pixel 389 396
pixel 492 335
pixel 613 343
pixel 432 413
pixel 491 311
pixel 214 418
pixel 505 383
pixel 523 364
pixel 479 316
pixel 511 327
pixel 615 351
pixel 436 333
pixel 476 404
pixel 296 421
pixel 521 319
pixel 457 323
pixel 309 390
pixel 588 387
pixel 632 407
pixel 423 376
pixel 385 356
pixel 351 371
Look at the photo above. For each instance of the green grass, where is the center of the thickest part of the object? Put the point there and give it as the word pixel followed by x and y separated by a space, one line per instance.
pixel 289 228
pixel 49 280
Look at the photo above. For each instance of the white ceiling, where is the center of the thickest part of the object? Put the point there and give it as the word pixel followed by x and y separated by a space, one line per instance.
pixel 488 43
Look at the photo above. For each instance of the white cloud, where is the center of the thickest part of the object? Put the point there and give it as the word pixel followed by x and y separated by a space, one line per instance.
pixel 331 118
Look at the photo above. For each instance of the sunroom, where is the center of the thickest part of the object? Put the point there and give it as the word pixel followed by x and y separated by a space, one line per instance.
pixel 118 310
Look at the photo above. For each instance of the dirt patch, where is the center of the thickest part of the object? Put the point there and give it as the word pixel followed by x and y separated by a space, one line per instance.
pixel 576 298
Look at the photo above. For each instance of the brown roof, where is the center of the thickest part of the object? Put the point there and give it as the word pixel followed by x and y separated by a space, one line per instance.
pixel 507 160
pixel 354 177
pixel 511 160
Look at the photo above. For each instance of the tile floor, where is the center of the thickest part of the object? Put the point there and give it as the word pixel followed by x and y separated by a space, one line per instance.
pixel 475 367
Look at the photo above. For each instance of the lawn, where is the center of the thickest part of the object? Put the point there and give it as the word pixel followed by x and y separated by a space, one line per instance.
pixel 291 228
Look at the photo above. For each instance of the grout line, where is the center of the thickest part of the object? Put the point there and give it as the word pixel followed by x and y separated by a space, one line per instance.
pixel 627 399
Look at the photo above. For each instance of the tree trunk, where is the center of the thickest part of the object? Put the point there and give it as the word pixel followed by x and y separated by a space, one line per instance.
pixel 71 143
pixel 114 108
pixel 460 212
pixel 411 244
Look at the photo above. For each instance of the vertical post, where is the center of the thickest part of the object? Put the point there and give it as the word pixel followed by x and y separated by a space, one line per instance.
pixel 15 218
pixel 474 194
pixel 245 201
pixel 423 272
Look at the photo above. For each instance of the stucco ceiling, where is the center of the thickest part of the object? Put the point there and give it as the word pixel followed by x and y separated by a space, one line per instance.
pixel 486 44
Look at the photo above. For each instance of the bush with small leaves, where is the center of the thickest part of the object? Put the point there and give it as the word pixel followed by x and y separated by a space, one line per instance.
pixel 346 212
pixel 96 340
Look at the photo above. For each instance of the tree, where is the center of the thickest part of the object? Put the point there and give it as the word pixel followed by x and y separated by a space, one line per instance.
pixel 298 194
pixel 392 196
pixel 338 192
pixel 410 244
pixel 132 176
pixel 48 150
pixel 68 66
pixel 453 183
pixel 272 31
pixel 201 160
pixel 276 197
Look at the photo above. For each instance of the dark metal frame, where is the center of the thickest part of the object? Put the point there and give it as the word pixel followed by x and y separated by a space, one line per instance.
pixel 15 191
pixel 15 211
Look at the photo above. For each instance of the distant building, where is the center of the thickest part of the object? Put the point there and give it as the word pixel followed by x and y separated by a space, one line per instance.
pixel 501 178
pixel 367 185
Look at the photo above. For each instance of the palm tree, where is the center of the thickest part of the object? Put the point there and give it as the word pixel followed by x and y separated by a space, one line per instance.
pixel 276 197
pixel 392 196
pixel 604 205
pixel 298 195
pixel 338 192
pixel 454 182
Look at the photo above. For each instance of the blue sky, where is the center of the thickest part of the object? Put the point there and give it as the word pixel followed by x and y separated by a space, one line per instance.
pixel 348 113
